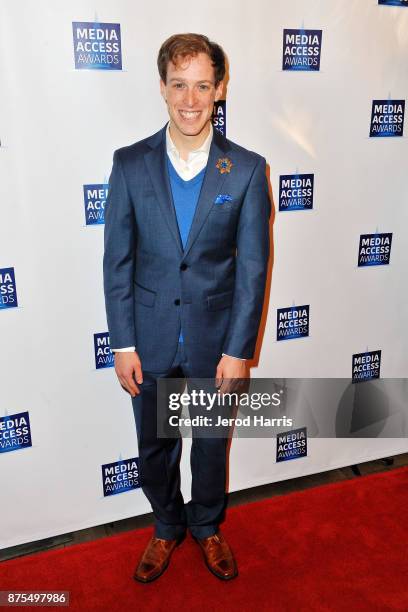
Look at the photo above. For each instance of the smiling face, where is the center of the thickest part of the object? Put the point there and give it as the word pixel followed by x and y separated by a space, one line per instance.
pixel 190 92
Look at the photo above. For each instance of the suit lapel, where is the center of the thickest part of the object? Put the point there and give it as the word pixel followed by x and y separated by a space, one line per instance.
pixel 156 163
pixel 211 186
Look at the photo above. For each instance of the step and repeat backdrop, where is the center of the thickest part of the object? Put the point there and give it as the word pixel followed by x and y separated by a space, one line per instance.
pixel 318 88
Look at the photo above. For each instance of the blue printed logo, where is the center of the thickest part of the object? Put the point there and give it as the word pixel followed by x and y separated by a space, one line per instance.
pixel 366 366
pixel 120 476
pixel 374 249
pixel 97 46
pixel 95 199
pixel 292 322
pixel 387 118
pixel 8 290
pixel 15 432
pixel 219 116
pixel 291 445
pixel 104 358
pixel 301 49
pixel 296 191
pixel 393 2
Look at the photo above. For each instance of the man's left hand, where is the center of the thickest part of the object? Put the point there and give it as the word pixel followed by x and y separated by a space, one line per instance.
pixel 230 371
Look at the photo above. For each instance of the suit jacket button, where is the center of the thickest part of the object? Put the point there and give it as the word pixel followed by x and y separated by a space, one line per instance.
pixel 183 266
pixel 177 302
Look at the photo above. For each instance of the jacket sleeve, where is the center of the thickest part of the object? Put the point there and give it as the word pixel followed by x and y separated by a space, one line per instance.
pixel 251 266
pixel 119 259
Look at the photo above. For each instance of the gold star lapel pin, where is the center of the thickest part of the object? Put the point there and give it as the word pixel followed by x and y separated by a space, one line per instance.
pixel 224 165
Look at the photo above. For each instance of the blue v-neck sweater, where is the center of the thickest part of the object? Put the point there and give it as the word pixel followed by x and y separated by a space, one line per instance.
pixel 185 197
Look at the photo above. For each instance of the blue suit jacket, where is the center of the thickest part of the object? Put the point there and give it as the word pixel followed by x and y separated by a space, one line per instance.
pixel 215 287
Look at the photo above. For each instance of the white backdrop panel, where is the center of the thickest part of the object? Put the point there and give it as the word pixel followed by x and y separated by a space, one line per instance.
pixel 59 127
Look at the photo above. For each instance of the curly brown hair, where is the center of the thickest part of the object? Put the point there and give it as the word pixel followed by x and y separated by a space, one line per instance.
pixel 189 45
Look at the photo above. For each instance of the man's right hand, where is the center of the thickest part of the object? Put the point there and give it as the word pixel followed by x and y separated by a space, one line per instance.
pixel 128 369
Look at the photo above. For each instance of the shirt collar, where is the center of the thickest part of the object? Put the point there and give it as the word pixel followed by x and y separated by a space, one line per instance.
pixel 205 147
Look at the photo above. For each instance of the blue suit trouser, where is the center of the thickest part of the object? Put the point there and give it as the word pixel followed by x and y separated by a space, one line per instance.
pixel 159 463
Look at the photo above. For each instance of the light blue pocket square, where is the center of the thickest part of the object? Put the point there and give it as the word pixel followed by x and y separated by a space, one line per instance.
pixel 222 198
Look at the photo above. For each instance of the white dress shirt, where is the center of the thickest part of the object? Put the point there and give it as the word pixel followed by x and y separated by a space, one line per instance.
pixel 196 160
pixel 186 169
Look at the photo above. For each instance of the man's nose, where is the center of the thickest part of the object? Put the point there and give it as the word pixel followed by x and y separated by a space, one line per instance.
pixel 190 97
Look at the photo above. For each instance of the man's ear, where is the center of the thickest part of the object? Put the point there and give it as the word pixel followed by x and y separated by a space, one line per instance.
pixel 219 90
pixel 163 90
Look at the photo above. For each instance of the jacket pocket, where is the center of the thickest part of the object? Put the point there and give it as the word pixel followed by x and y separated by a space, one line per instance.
pixel 220 300
pixel 144 296
pixel 226 207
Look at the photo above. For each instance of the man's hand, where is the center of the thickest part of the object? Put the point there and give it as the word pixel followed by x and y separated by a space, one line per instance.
pixel 129 371
pixel 228 369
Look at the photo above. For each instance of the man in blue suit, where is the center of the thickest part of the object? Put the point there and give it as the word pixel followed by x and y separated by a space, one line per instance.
pixel 185 264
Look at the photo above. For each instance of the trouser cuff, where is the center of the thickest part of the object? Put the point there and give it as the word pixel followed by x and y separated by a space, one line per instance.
pixel 170 532
pixel 203 531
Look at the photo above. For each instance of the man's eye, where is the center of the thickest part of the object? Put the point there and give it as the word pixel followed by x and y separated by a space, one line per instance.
pixel 179 85
pixel 204 87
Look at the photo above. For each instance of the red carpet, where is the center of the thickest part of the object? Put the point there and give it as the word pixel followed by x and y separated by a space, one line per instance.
pixel 343 546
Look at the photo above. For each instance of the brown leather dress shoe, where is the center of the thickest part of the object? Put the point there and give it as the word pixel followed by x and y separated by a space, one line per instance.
pixel 155 559
pixel 218 556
